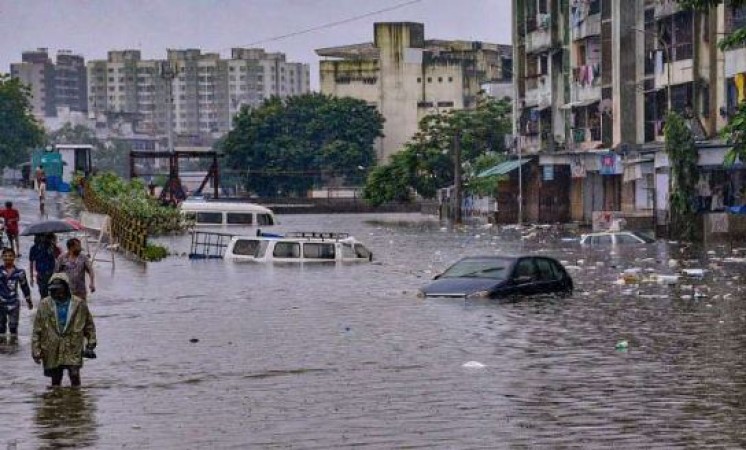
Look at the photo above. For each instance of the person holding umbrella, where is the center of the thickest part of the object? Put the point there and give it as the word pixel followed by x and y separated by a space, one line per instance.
pixel 42 258
pixel 11 278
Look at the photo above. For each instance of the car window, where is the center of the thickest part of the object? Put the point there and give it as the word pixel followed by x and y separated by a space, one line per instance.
pixel 246 247
pixel 604 239
pixel 318 250
pixel 558 270
pixel 525 268
pixel 627 239
pixel 361 251
pixel 264 219
pixel 546 270
pixel 496 269
pixel 347 251
pixel 286 250
pixel 239 218
pixel 210 217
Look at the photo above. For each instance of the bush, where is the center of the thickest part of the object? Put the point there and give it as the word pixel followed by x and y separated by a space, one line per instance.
pixel 133 198
pixel 155 252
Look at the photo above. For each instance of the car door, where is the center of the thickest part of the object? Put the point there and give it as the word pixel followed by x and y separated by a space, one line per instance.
pixel 524 277
pixel 547 279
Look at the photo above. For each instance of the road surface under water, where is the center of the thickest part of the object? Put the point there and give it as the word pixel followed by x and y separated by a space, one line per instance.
pixel 341 356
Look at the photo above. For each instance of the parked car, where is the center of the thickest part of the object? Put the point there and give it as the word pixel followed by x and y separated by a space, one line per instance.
pixel 501 276
pixel 615 238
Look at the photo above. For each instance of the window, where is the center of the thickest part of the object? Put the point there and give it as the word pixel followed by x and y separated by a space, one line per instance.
pixel 362 252
pixel 239 218
pixel 450 79
pixel 626 239
pixel 209 217
pixel 264 219
pixel 525 268
pixel 246 247
pixel 347 251
pixel 440 79
pixel 601 240
pixel 286 250
pixel 318 250
pixel 546 270
pixel 429 79
pixel 419 80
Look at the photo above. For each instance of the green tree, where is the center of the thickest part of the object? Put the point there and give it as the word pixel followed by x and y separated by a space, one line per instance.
pixel 682 157
pixel 19 131
pixel 285 145
pixel 425 164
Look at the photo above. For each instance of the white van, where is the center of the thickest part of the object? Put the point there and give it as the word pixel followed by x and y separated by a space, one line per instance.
pixel 217 213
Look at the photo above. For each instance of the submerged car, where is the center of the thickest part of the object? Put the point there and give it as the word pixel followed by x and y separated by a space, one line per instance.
pixel 615 238
pixel 501 276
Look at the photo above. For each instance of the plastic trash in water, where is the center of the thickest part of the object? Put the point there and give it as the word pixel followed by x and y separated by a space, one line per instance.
pixel 622 345
pixel 672 263
pixel 473 365
pixel 694 273
pixel 667 279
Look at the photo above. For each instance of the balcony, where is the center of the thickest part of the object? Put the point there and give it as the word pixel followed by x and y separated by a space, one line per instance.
pixel 681 72
pixel 586 138
pixel 538 92
pixel 591 26
pixel 540 38
pixel 735 62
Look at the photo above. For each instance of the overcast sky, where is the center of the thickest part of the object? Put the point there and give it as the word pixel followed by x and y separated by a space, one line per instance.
pixel 92 27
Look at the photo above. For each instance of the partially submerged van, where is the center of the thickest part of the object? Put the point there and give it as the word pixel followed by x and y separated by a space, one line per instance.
pixel 217 213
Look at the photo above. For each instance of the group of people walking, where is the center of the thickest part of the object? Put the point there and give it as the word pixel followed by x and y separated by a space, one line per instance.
pixel 63 329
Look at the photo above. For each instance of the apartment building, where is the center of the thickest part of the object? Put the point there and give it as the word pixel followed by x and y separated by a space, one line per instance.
pixel 407 76
pixel 594 80
pixel 53 84
pixel 205 90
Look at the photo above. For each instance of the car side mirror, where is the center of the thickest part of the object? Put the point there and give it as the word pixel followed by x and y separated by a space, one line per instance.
pixel 523 279
pixel 437 276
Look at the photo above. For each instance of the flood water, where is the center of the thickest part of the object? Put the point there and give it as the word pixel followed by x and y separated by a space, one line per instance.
pixel 342 356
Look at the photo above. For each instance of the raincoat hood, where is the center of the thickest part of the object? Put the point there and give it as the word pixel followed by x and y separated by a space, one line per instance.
pixel 60 277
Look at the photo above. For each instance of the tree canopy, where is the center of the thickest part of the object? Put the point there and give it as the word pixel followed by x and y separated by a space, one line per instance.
pixel 682 157
pixel 426 164
pixel 19 131
pixel 285 145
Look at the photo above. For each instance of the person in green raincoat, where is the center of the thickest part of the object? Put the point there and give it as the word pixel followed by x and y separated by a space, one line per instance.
pixel 62 326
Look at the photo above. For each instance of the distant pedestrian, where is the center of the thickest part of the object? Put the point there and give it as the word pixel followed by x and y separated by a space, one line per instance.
pixel 42 259
pixel 41 182
pixel 75 264
pixel 64 332
pixel 12 218
pixel 11 278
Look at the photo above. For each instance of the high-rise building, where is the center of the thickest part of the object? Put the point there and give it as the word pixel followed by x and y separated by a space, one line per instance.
pixel 407 77
pixel 53 84
pixel 206 91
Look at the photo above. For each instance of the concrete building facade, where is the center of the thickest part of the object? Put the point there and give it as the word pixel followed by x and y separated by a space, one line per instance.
pixel 53 84
pixel 206 91
pixel 594 80
pixel 407 77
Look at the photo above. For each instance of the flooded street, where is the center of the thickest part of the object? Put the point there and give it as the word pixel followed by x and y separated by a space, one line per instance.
pixel 340 356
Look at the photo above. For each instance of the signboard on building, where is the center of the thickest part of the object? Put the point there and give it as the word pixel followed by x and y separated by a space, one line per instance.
pixel 548 172
pixel 609 164
pixel 577 168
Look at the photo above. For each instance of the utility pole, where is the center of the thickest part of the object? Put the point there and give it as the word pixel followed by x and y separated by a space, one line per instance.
pixel 520 186
pixel 457 178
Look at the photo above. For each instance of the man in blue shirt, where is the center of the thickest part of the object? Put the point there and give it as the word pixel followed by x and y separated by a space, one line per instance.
pixel 11 278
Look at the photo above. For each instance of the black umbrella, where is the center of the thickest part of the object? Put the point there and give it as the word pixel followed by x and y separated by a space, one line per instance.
pixel 48 226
